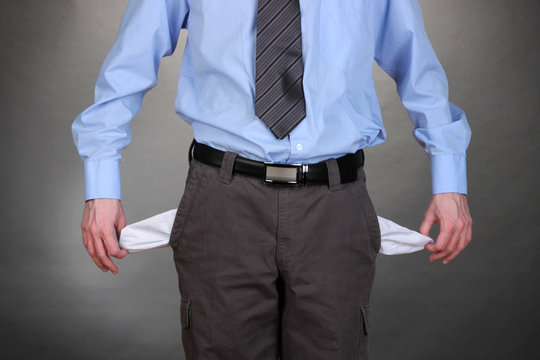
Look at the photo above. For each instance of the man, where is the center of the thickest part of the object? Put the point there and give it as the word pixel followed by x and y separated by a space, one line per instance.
pixel 273 260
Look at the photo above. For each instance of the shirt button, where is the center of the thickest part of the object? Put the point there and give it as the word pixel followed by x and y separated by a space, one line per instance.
pixel 299 146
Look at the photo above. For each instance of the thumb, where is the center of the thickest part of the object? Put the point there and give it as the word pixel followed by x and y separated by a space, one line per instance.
pixel 424 229
pixel 426 225
pixel 120 223
pixel 118 227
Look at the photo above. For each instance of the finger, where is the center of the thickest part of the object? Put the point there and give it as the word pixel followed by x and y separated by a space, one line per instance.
pixel 88 242
pixel 101 252
pixel 450 246
pixel 465 238
pixel 119 226
pixel 94 256
pixel 461 245
pixel 426 225
pixel 111 244
pixel 439 249
pixel 431 247
pixel 104 257
pixel 442 240
pixel 92 252
pixel 425 228
pixel 456 247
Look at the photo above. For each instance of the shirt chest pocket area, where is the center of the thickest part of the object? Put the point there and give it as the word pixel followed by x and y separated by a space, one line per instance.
pixel 344 36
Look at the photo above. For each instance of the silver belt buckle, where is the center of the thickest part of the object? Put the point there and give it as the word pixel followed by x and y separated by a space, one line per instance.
pixel 292 174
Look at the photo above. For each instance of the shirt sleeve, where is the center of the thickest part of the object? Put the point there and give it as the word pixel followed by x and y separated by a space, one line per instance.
pixel 404 52
pixel 149 31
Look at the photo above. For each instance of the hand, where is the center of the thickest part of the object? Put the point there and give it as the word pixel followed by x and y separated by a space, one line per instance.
pixel 451 211
pixel 101 219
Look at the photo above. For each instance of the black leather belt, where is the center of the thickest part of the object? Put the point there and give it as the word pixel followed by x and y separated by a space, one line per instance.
pixel 282 174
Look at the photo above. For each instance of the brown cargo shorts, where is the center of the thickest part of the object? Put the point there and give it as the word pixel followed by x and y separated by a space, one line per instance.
pixel 271 272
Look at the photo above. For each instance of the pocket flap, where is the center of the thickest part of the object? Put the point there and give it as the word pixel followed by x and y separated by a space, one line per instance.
pixel 185 312
pixel 365 317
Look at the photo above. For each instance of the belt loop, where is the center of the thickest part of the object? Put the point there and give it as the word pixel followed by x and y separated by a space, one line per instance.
pixel 227 164
pixel 190 151
pixel 334 177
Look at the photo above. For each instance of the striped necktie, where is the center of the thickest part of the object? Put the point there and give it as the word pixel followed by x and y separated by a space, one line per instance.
pixel 279 95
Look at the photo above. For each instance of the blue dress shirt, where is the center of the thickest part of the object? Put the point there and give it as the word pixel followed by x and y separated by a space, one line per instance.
pixel 216 87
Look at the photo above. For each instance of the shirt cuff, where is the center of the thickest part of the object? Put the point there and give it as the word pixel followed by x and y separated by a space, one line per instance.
pixel 448 174
pixel 102 179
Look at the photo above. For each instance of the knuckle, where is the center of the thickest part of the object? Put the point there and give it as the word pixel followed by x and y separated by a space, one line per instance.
pixel 104 230
pixel 92 229
pixel 450 224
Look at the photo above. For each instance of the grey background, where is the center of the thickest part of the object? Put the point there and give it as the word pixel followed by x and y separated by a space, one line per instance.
pixel 56 303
